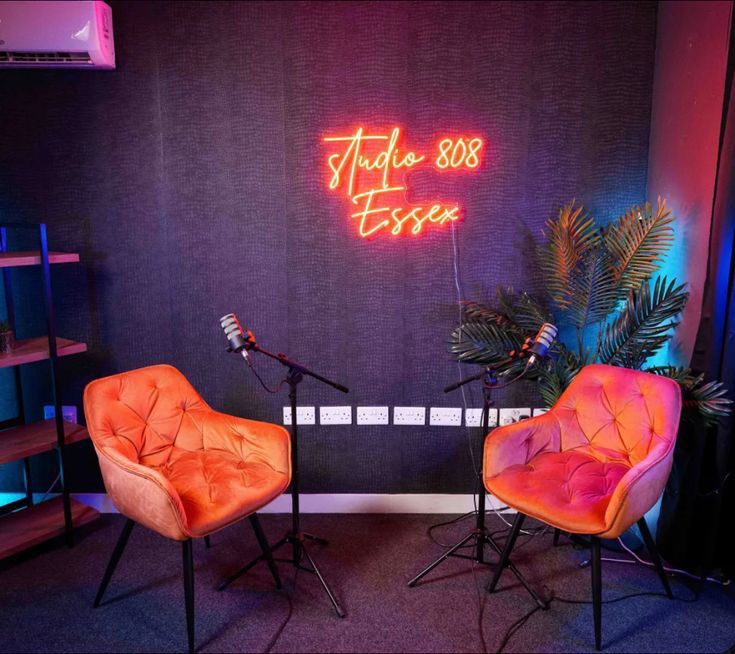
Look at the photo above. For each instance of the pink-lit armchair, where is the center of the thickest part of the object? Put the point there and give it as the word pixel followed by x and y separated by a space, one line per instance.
pixel 594 464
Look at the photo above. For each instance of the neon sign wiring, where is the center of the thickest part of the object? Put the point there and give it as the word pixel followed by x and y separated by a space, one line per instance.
pixel 366 175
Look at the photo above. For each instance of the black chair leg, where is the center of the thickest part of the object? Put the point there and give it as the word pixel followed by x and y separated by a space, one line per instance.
pixel 114 559
pixel 207 542
pixel 189 591
pixel 653 551
pixel 514 531
pixel 597 590
pixel 557 533
pixel 265 548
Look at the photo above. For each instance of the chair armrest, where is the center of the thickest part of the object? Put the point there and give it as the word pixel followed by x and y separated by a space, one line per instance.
pixel 143 494
pixel 518 443
pixel 638 490
pixel 249 439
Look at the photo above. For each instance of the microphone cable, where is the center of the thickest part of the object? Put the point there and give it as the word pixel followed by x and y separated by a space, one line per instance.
pixel 260 379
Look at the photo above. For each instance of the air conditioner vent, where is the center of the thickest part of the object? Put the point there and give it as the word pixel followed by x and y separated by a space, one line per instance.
pixel 45 57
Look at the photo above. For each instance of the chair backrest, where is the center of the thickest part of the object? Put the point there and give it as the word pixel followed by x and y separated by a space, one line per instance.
pixel 144 413
pixel 619 410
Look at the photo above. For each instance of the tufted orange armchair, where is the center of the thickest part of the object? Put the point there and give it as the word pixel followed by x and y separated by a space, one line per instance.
pixel 173 464
pixel 594 464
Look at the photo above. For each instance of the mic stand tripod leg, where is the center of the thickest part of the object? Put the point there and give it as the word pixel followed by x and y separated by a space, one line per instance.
pixel 443 558
pixel 296 538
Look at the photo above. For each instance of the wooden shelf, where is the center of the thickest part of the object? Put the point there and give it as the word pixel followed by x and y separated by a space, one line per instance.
pixel 27 440
pixel 39 523
pixel 12 259
pixel 30 350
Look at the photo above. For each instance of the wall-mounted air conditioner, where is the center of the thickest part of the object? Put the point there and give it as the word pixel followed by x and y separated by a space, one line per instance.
pixel 56 34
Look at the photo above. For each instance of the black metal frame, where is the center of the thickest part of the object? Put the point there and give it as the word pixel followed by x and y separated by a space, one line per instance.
pixel 295 537
pixel 596 567
pixel 480 534
pixel 188 565
pixel 53 356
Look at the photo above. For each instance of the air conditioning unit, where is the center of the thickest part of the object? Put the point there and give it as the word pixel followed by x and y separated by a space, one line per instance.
pixel 56 34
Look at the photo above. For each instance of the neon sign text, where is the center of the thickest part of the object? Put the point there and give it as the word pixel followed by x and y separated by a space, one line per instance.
pixel 364 166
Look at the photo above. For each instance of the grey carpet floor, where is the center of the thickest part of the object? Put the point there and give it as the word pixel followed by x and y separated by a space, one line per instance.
pixel 46 596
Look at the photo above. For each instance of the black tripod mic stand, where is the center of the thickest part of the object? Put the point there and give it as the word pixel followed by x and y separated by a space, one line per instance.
pixel 295 537
pixel 479 536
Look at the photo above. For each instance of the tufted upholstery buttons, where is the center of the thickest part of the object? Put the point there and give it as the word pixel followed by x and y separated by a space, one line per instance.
pixel 172 462
pixel 597 460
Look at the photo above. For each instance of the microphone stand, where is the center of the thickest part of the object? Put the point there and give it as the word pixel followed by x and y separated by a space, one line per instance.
pixel 295 537
pixel 480 535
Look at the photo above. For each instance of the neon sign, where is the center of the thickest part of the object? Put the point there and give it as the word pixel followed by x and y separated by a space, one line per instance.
pixel 364 168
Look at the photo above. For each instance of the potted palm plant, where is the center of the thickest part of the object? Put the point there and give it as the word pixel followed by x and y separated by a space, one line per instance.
pixel 603 291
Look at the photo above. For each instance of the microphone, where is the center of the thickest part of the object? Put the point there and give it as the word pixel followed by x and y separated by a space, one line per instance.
pixel 540 345
pixel 239 341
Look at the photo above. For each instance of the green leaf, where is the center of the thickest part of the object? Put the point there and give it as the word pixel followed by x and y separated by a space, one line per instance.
pixel 554 376
pixel 708 399
pixel 483 343
pixel 594 291
pixel 522 310
pixel 478 312
pixel 569 237
pixel 637 242
pixel 644 324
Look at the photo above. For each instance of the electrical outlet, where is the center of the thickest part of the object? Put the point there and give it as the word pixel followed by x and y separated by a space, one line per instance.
pixel 508 416
pixel 409 415
pixel 445 417
pixel 372 415
pixel 68 413
pixel 540 412
pixel 473 417
pixel 335 415
pixel 305 415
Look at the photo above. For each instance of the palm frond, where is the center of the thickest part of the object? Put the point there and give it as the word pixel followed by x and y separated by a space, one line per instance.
pixel 522 309
pixel 683 376
pixel 483 343
pixel 555 375
pixel 708 399
pixel 479 312
pixel 569 237
pixel 637 242
pixel 644 324
pixel 594 291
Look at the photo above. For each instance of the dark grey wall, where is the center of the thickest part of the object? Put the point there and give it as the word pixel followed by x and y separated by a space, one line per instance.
pixel 192 182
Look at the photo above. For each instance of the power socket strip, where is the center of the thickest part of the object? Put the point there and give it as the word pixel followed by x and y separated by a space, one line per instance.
pixel 540 412
pixel 372 415
pixel 445 417
pixel 306 415
pixel 335 415
pixel 473 417
pixel 509 416
pixel 409 415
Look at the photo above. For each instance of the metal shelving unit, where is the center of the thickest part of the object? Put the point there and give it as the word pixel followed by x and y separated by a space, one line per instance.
pixel 24 523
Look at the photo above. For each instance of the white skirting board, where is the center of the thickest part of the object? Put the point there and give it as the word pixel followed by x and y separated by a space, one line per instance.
pixel 328 503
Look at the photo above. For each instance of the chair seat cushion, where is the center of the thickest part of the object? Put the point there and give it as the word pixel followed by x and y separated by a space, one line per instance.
pixel 218 488
pixel 569 490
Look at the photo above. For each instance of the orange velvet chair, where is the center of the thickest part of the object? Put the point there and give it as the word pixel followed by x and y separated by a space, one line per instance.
pixel 594 464
pixel 173 464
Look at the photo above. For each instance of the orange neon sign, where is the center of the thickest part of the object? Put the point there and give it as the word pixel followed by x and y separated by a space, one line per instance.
pixel 364 166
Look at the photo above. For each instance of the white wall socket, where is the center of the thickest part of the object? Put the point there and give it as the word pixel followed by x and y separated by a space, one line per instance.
pixel 372 415
pixel 445 417
pixel 473 417
pixel 540 412
pixel 335 415
pixel 409 415
pixel 305 415
pixel 508 416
